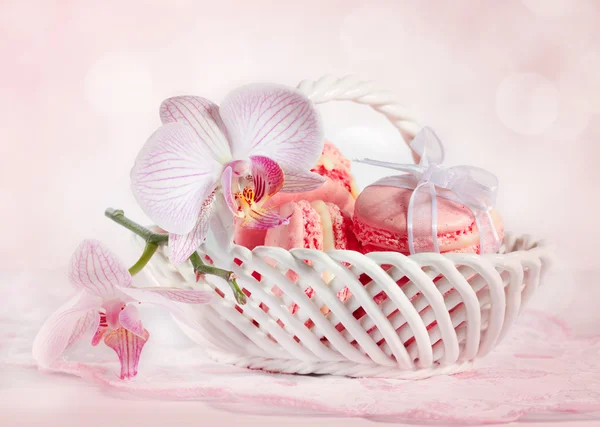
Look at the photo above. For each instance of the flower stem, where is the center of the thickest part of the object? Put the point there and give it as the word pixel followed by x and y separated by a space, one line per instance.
pixel 149 250
pixel 118 216
pixel 153 240
pixel 229 276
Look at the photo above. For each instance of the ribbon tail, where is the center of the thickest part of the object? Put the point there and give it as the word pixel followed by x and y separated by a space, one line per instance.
pixel 489 241
pixel 434 210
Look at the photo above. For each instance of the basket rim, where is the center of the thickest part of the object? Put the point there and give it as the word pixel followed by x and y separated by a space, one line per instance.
pixel 541 246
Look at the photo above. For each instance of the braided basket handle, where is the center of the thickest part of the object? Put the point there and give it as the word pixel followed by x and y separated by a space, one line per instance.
pixel 329 88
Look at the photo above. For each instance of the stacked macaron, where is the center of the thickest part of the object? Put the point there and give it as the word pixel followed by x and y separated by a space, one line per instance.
pixel 338 191
pixel 380 223
pixel 313 225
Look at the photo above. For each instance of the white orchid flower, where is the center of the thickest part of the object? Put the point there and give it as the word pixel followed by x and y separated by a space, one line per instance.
pixel 263 139
pixel 106 302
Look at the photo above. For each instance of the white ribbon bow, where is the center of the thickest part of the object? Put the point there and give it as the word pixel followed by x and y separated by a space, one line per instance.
pixel 471 186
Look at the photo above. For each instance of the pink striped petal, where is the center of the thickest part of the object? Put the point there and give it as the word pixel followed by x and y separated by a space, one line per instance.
pixel 263 219
pixel 65 326
pixel 182 246
pixel 267 176
pixel 300 181
pixel 203 117
pixel 96 270
pixel 131 320
pixel 172 176
pixel 273 121
pixel 187 296
pixel 148 296
pixel 128 347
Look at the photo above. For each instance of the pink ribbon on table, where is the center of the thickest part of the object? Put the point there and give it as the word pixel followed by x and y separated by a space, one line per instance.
pixel 468 185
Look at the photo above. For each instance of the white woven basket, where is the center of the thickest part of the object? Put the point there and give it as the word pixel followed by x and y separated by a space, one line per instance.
pixel 438 312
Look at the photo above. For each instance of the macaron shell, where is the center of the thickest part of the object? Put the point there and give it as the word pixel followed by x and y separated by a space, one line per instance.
pixel 248 237
pixel 343 234
pixel 333 154
pixel 380 220
pixel 386 207
pixel 303 231
pixel 334 165
pixel 330 191
pixel 463 241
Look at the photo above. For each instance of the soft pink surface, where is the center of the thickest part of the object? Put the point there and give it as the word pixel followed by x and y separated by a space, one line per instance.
pixel 380 221
pixel 544 370
pixel 303 231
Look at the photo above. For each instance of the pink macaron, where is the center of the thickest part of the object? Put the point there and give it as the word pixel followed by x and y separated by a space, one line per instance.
pixel 339 188
pixel 313 225
pixel 380 223
pixel 336 226
pixel 303 230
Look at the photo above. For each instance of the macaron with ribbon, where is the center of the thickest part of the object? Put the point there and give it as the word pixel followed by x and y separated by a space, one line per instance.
pixel 380 223
pixel 431 208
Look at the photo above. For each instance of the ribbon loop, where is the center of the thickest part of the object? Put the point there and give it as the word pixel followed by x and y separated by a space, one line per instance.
pixel 428 146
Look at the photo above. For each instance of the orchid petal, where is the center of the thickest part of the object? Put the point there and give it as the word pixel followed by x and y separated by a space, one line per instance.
pixel 154 298
pixel 267 176
pixel 131 320
pixel 300 181
pixel 65 326
pixel 203 117
pixel 226 183
pixel 263 219
pixel 101 329
pixel 187 296
pixel 128 347
pixel 273 121
pixel 95 269
pixel 182 246
pixel 221 229
pixel 173 175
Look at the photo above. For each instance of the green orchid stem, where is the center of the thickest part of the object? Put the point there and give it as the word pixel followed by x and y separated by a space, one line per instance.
pixel 118 216
pixel 153 240
pixel 201 268
pixel 149 250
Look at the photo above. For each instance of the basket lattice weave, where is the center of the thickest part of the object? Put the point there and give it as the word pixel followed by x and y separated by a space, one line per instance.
pixel 404 316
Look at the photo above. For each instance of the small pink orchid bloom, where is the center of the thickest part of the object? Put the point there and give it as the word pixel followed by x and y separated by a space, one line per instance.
pixel 263 139
pixel 106 302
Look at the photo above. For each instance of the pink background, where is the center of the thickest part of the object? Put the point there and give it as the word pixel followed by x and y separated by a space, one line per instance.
pixel 510 86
